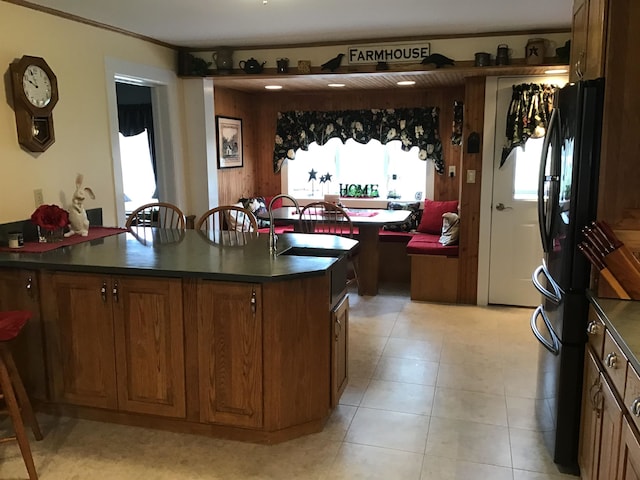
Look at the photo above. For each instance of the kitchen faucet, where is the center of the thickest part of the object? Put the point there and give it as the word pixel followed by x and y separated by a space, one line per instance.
pixel 273 238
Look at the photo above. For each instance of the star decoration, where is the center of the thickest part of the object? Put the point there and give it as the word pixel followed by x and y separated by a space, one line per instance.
pixel 533 51
pixel 327 177
pixel 312 175
pixel 323 179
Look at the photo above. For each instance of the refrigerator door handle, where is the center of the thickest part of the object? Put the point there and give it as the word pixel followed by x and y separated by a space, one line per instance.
pixel 554 345
pixel 545 218
pixel 556 295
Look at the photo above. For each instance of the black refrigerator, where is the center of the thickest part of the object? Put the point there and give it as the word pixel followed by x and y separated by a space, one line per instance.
pixel 567 201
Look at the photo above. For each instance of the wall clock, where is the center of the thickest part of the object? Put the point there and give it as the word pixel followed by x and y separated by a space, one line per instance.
pixel 35 93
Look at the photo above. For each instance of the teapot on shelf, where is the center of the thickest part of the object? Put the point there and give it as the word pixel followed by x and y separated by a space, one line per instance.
pixel 251 65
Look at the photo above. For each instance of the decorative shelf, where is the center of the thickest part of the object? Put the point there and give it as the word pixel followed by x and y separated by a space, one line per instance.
pixel 359 78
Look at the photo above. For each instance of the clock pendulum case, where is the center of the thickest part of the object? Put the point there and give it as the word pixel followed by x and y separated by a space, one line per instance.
pixel 35 93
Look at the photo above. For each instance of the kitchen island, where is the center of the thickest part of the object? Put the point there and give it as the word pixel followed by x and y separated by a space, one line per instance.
pixel 188 332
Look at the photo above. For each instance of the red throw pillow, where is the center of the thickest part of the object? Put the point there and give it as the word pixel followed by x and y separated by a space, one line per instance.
pixel 431 221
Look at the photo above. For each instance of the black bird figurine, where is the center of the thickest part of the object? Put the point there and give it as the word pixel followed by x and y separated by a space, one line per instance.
pixel 333 64
pixel 437 59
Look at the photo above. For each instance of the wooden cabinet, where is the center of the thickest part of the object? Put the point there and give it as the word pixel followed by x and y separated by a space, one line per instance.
pixel 629 461
pixel 116 342
pixel 230 353
pixel 591 419
pixel 339 350
pixel 611 425
pixel 588 39
pixel 19 291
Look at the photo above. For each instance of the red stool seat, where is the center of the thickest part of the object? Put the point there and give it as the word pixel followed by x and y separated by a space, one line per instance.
pixel 12 390
pixel 11 323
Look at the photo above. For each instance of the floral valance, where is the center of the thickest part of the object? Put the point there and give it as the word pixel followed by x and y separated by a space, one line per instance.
pixel 414 127
pixel 528 115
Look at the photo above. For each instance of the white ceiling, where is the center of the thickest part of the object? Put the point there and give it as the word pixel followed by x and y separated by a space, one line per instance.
pixel 210 23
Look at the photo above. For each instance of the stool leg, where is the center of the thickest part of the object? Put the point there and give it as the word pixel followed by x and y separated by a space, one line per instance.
pixel 21 393
pixel 16 417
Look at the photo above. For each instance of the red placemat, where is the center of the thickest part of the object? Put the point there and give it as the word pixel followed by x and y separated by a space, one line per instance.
pixel 362 213
pixel 94 232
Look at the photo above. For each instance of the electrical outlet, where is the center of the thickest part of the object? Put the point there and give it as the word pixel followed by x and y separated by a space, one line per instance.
pixel 452 170
pixel 471 176
pixel 38 197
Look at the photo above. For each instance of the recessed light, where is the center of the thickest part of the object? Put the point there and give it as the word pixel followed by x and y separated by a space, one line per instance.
pixel 556 71
pixel 335 85
pixel 406 82
pixel 273 87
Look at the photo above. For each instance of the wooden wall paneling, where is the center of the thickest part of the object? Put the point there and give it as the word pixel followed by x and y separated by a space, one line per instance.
pixel 234 183
pixel 270 103
pixel 470 193
pixel 619 172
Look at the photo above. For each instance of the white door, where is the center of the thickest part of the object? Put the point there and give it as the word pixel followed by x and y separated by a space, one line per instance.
pixel 515 247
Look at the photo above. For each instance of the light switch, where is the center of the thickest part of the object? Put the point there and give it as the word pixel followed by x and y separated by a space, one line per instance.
pixel 471 176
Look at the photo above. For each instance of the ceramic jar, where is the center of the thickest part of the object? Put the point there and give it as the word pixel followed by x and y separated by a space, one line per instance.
pixel 223 57
pixel 534 53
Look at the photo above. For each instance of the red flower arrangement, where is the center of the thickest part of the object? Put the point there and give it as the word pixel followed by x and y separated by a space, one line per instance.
pixel 50 217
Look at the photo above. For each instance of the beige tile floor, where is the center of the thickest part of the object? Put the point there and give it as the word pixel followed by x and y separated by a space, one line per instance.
pixel 436 392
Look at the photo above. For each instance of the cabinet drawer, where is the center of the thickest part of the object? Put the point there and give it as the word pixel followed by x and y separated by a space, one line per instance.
pixel 632 395
pixel 615 362
pixel 595 332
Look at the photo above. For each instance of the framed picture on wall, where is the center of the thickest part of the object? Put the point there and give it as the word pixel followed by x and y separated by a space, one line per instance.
pixel 229 131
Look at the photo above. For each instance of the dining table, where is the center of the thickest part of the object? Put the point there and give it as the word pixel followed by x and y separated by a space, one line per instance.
pixel 367 223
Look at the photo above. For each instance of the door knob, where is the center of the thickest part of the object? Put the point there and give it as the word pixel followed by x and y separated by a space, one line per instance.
pixel 501 206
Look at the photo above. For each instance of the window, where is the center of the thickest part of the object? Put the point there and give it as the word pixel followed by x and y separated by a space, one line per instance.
pixel 138 179
pixel 527 165
pixel 369 170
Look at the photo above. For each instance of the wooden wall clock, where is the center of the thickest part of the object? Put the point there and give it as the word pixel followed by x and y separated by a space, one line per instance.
pixel 35 93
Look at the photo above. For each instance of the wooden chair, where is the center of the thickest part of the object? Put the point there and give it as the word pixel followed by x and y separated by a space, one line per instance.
pixel 324 217
pixel 228 217
pixel 12 390
pixel 159 214
pixel 330 219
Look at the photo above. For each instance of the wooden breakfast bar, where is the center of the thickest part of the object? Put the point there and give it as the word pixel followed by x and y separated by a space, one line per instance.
pixel 187 332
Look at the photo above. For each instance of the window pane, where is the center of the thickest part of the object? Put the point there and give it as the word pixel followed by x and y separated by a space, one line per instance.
pixel 527 165
pixel 352 164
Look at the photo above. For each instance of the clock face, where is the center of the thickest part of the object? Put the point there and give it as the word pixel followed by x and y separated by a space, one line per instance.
pixel 36 86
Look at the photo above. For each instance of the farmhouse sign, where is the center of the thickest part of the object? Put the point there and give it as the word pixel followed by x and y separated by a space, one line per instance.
pixel 388 52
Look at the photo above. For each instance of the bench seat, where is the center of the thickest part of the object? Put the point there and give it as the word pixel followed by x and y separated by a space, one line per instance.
pixel 434 269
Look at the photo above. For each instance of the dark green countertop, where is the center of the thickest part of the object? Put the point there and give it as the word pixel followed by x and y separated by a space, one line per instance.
pixel 622 318
pixel 228 256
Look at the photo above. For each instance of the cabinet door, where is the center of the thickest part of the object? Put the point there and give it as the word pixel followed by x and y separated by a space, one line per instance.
pixel 596 39
pixel 230 353
pixel 590 421
pixel 610 436
pixel 579 29
pixel 339 350
pixel 149 345
pixel 79 333
pixel 629 461
pixel 19 291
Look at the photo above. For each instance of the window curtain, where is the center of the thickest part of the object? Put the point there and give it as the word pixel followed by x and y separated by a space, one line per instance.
pixel 414 127
pixel 528 115
pixel 132 121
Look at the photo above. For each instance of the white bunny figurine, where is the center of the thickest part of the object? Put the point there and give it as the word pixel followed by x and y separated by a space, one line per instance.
pixel 78 221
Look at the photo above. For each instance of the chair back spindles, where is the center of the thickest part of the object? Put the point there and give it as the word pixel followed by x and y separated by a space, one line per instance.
pixel 159 214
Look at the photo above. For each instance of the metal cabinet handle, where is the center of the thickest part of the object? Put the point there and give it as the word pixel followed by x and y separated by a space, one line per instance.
pixel 501 206
pixel 103 292
pixel 611 360
pixel 596 395
pixel 592 328
pixel 635 407
pixel 114 292
pixel 253 302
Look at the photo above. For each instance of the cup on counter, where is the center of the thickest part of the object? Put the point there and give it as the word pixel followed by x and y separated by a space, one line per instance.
pixel 16 240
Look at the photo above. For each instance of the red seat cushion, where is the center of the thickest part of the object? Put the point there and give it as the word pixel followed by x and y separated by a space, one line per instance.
pixel 428 244
pixel 11 323
pixel 279 229
pixel 394 236
pixel 431 221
